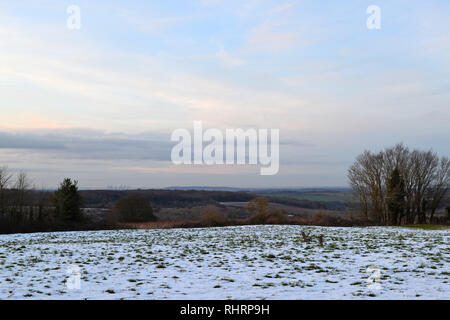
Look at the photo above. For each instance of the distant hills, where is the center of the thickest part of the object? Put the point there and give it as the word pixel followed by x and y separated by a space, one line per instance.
pixel 231 189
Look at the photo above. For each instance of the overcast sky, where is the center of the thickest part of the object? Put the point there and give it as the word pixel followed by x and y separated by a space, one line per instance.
pixel 99 104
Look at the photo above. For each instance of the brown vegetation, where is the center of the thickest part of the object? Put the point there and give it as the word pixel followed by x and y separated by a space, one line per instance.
pixel 212 216
pixel 262 214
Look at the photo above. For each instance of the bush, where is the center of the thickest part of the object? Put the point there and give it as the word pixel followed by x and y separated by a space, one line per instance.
pixel 212 217
pixel 258 208
pixel 319 217
pixel 261 213
pixel 133 208
pixel 277 217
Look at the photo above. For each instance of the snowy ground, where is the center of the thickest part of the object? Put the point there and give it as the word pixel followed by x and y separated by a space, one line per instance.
pixel 253 262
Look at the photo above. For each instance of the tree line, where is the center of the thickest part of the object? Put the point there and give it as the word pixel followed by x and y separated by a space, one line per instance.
pixel 399 185
pixel 25 209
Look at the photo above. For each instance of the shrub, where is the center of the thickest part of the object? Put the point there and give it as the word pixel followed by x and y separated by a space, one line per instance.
pixel 258 208
pixel 133 208
pixel 261 213
pixel 211 216
pixel 318 217
pixel 277 217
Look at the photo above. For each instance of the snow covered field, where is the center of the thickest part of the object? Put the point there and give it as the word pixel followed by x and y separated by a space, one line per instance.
pixel 250 262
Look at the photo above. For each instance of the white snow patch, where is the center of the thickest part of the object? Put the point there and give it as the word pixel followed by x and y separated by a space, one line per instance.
pixel 250 262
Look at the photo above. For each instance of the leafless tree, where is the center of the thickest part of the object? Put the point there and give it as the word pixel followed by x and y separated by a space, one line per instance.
pixel 21 187
pixel 366 178
pixel 5 179
pixel 425 182
pixel 440 186
pixel 424 165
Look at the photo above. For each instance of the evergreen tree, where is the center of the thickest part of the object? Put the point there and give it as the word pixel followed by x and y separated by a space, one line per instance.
pixel 67 201
pixel 396 196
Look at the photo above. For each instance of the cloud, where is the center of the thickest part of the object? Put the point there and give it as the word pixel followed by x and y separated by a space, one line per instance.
pixel 90 144
pixel 210 2
pixel 24 141
pixel 271 37
pixel 229 60
pixel 147 23
pixel 285 6
pixel 297 78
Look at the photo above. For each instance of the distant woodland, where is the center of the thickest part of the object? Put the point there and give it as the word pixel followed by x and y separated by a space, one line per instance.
pixel 393 187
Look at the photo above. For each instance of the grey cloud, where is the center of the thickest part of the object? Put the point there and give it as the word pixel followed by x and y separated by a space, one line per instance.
pixel 94 144
pixel 26 141
pixel 90 144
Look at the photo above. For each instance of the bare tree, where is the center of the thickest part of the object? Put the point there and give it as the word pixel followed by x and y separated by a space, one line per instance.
pixel 21 189
pixel 398 185
pixel 366 178
pixel 440 186
pixel 359 183
pixel 5 179
pixel 424 165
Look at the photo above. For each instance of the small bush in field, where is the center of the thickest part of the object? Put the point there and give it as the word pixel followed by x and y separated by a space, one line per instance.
pixel 320 238
pixel 306 237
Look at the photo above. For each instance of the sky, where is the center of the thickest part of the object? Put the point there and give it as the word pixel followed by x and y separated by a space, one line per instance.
pixel 99 103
